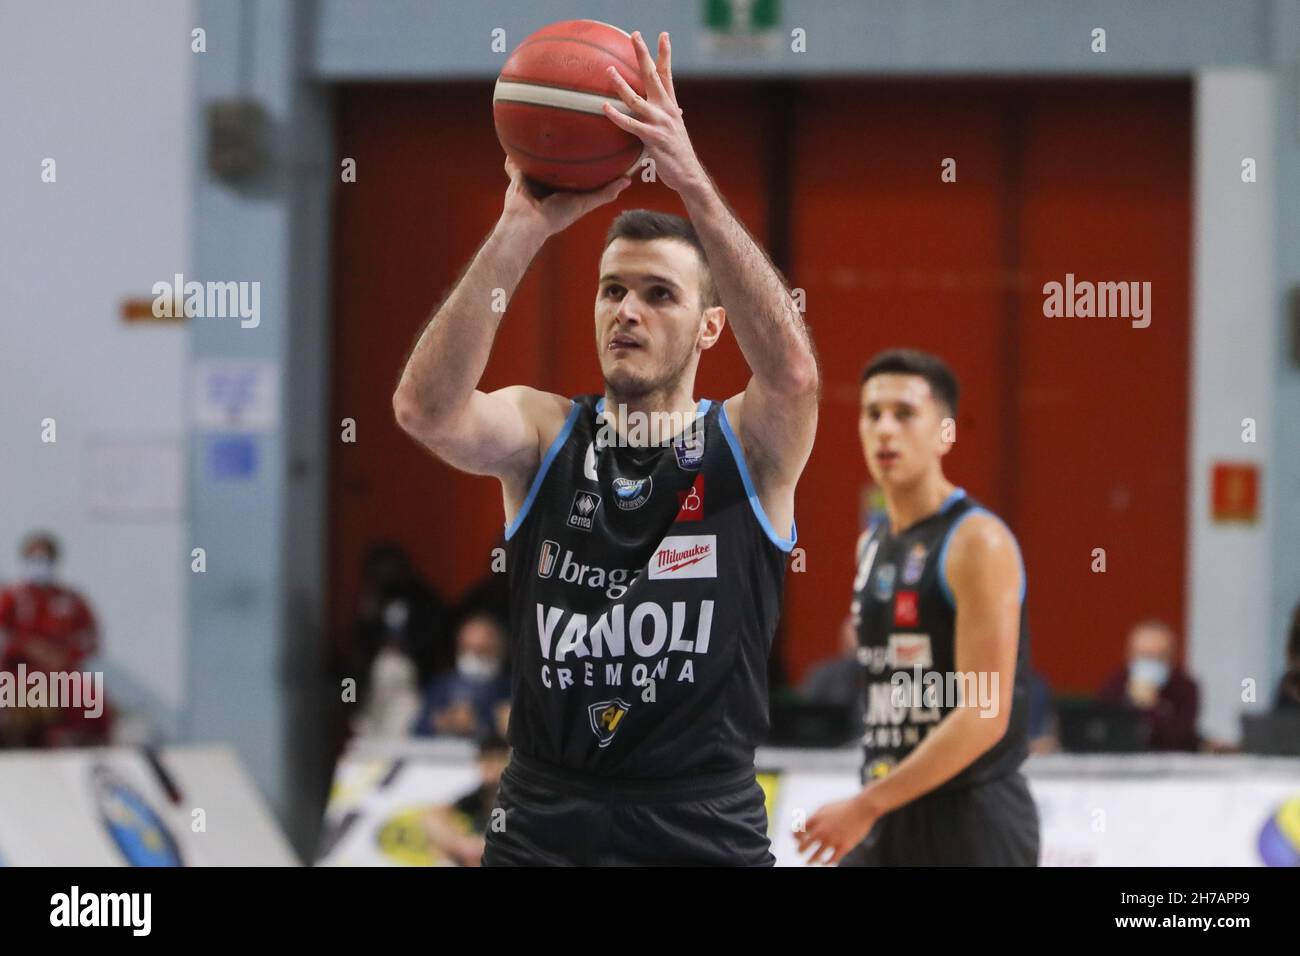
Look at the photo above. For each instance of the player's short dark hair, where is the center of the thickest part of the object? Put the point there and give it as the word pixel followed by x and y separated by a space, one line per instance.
pixel 642 225
pixel 943 383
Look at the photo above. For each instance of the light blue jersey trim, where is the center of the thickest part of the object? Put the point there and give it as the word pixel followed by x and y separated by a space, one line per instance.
pixel 785 544
pixel 957 495
pixel 551 452
pixel 943 552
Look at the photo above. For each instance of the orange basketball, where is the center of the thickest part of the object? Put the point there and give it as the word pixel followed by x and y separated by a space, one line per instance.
pixel 546 105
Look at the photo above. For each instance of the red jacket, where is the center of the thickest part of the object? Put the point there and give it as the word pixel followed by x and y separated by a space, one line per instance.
pixel 52 616
pixel 1172 721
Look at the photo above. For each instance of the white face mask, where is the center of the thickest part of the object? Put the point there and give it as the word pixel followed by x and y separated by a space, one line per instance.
pixel 477 667
pixel 38 570
pixel 396 614
pixel 1149 670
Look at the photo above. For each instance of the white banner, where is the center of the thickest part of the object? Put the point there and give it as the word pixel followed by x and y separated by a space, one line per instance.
pixel 1144 810
pixel 108 807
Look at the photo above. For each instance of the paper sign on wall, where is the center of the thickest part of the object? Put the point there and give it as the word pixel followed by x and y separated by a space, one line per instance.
pixel 236 395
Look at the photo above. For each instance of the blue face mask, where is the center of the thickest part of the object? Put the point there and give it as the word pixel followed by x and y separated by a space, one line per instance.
pixel 1148 670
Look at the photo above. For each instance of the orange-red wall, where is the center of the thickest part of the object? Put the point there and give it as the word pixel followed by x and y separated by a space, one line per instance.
pixel 1074 429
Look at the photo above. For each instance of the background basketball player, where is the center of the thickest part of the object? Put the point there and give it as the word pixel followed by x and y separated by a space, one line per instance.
pixel 939 596
pixel 645 577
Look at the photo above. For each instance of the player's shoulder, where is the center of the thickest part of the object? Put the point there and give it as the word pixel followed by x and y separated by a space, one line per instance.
pixel 981 533
pixel 527 398
pixel 734 408
pixel 547 411
pixel 981 549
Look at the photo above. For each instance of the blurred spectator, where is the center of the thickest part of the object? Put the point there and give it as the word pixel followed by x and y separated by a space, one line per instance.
pixel 399 609
pixel 457 829
pixel 467 702
pixel 1288 690
pixel 1164 695
pixel 1043 725
pixel 838 680
pixel 48 628
pixel 392 700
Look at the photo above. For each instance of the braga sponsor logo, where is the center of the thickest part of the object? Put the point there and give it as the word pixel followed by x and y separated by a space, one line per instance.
pixel 685 556
pixel 546 559
pixel 554 561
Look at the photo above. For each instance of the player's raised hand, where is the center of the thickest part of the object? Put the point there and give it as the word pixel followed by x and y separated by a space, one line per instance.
pixel 657 119
pixel 533 208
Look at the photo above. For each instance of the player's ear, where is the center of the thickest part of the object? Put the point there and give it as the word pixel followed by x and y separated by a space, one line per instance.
pixel 712 322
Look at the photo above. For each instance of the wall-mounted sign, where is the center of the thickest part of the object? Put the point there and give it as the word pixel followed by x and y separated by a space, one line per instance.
pixel 1234 495
pixel 738 26
pixel 236 395
pixel 141 310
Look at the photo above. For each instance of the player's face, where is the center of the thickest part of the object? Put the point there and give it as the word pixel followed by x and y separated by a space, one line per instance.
pixel 902 429
pixel 650 326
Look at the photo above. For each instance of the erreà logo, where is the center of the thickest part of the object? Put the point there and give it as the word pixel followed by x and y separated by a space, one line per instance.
pixel 583 512
pixel 606 715
pixel 685 556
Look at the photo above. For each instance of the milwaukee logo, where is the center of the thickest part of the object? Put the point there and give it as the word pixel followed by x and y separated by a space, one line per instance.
pixel 685 556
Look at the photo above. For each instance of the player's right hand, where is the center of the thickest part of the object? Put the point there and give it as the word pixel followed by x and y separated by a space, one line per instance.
pixel 551 212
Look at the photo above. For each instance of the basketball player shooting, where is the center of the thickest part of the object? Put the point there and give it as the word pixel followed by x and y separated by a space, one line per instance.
pixel 646 576
pixel 939 608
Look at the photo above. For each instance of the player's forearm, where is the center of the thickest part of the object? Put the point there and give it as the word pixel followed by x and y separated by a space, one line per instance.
pixel 449 358
pixel 952 746
pixel 761 310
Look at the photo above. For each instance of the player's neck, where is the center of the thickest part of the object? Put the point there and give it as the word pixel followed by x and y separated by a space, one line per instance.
pixel 909 504
pixel 649 419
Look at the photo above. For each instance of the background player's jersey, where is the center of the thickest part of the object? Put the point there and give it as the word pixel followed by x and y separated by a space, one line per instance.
pixel 645 587
pixel 904 614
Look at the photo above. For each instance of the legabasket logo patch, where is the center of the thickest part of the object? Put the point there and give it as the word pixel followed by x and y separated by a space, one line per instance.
pixel 685 556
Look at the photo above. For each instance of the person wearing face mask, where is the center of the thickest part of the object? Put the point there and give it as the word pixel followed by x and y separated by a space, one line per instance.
pixel 465 703
pixel 46 627
pixel 1152 683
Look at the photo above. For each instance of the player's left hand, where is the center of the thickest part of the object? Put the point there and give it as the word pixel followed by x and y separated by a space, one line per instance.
pixel 835 829
pixel 657 119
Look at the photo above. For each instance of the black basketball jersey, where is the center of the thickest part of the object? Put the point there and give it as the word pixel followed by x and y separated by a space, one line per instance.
pixel 645 587
pixel 905 616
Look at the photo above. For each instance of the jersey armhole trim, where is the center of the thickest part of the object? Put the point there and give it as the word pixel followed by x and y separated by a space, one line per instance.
pixel 943 557
pixel 545 466
pixel 785 544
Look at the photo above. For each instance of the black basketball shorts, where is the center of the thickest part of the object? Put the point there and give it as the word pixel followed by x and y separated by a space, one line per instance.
pixel 555 818
pixel 987 824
